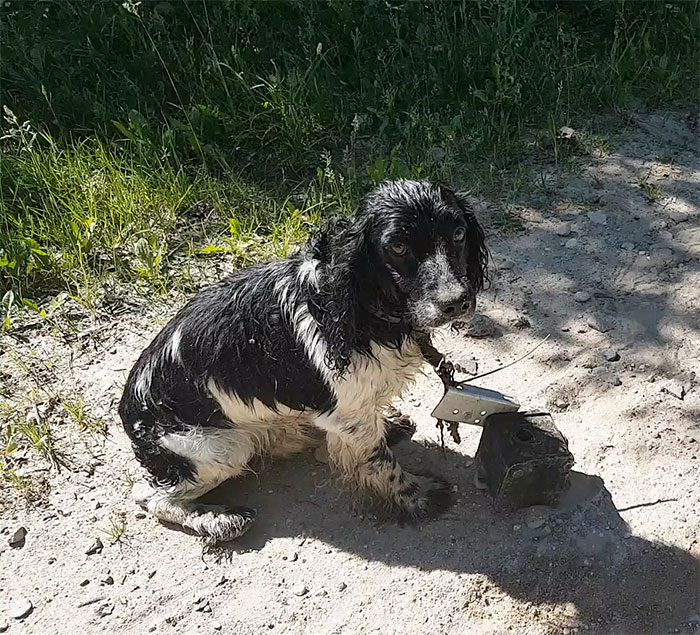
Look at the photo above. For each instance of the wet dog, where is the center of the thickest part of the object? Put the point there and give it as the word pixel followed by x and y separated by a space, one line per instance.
pixel 322 340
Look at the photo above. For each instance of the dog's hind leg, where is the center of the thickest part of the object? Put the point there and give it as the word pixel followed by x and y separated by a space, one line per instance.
pixel 184 468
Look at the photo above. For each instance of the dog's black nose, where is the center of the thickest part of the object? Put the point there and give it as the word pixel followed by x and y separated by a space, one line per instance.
pixel 456 307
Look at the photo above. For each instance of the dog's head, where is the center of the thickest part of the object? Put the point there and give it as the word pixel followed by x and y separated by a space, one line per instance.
pixel 426 250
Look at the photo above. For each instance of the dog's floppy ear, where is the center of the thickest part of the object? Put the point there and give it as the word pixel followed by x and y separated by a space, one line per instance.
pixel 343 247
pixel 477 255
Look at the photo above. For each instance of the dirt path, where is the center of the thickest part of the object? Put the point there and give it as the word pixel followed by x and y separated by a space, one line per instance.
pixel 621 555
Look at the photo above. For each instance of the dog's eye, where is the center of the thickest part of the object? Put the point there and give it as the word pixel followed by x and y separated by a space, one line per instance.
pixel 460 234
pixel 399 249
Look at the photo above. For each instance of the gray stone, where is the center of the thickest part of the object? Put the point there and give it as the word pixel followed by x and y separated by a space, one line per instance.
pixel 600 322
pixel 300 589
pixel 17 538
pixel 599 218
pixel 582 296
pixel 563 229
pixel 95 546
pixel 677 216
pixel 20 608
pixel 610 355
pixel 628 246
pixel 107 579
pixel 571 243
pixel 507 264
pixel 615 380
pixel 85 582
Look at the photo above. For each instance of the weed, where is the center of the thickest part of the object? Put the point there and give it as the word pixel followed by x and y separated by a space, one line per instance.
pixel 85 421
pixel 116 530
pixel 652 191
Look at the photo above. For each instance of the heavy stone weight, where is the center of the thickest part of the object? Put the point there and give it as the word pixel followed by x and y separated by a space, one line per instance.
pixel 523 459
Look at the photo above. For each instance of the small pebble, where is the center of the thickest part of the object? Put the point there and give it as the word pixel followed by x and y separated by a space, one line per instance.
pixel 563 229
pixel 96 546
pixel 582 296
pixel 628 246
pixel 292 557
pixel 322 593
pixel 20 609
pixel 105 609
pixel 610 355
pixel 599 218
pixel 140 515
pixel 615 381
pixel 216 626
pixel 342 586
pixel 300 590
pixel 107 579
pixel 571 243
pixel 17 538
pixel 4 625
pixel 506 265
pixel 85 582
pixel 222 580
pixel 600 322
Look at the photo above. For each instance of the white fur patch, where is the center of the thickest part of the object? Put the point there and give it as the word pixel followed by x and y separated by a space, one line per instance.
pixel 172 349
pixel 308 272
pixel 142 385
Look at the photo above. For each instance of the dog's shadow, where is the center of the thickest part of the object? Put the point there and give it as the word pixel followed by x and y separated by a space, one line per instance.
pixel 582 553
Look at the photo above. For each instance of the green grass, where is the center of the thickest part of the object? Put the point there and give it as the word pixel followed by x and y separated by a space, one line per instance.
pixel 139 138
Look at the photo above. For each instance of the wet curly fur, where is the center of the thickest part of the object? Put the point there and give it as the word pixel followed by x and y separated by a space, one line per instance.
pixel 321 341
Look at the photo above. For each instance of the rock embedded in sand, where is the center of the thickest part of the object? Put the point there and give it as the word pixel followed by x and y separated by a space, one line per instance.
pixel 17 538
pixel 599 218
pixel 600 322
pixel 20 608
pixel 610 355
pixel 571 243
pixel 582 296
pixel 95 546
pixel 300 590
pixel 563 229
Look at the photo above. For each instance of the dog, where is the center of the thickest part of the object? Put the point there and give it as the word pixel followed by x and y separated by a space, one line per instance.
pixel 323 340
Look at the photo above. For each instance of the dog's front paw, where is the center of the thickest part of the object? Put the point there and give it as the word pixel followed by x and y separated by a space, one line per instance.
pixel 422 497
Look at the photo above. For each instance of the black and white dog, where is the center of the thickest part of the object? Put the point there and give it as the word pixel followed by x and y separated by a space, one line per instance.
pixel 323 340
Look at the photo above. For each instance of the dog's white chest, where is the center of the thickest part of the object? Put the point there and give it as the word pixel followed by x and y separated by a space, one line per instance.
pixel 372 382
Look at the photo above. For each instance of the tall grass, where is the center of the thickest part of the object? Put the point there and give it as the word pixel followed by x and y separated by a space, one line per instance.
pixel 267 114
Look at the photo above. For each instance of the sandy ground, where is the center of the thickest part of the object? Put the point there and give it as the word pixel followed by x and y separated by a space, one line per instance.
pixel 620 555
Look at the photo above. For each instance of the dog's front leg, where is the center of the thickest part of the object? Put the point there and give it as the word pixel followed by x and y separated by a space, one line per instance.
pixel 359 449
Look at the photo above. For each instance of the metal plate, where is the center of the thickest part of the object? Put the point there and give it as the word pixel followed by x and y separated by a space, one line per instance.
pixel 470 404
